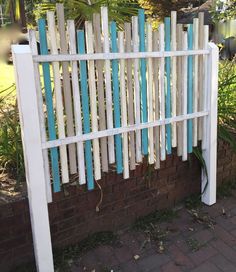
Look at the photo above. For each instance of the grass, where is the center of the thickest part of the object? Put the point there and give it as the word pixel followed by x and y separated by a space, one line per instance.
pixel 7 78
pixel 144 222
pixel 194 245
pixel 193 202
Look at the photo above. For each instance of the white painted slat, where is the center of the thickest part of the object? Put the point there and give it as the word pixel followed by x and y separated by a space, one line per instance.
pixel 205 84
pixel 136 87
pixel 179 92
pixel 111 56
pixel 33 46
pixel 184 96
pixel 58 95
pixel 156 100
pixel 200 77
pixel 100 88
pixel 127 28
pixel 76 100
pixel 195 80
pixel 93 99
pixel 123 129
pixel 123 107
pixel 106 43
pixel 162 91
pixel 150 94
pixel 30 132
pixel 173 75
pixel 66 87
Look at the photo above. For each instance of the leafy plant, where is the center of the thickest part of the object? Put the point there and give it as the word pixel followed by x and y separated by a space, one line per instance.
pixel 11 151
pixel 227 102
pixel 82 10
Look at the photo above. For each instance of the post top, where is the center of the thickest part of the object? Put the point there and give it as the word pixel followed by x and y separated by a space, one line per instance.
pixel 20 49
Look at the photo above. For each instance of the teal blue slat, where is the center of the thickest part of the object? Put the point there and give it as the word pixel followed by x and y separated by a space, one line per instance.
pixel 143 80
pixel 85 109
pixel 49 105
pixel 190 90
pixel 168 84
pixel 116 98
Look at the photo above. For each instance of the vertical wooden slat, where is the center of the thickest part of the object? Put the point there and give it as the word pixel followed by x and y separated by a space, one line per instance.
pixel 205 84
pixel 116 99
pixel 127 28
pixel 105 31
pixel 156 100
pixel 49 105
pixel 93 99
pixel 190 89
pixel 195 79
pixel 150 93
pixel 143 80
pixel 34 49
pixel 123 106
pixel 66 87
pixel 179 91
pixel 184 96
pixel 168 84
pixel 76 100
pixel 200 77
pixel 85 109
pixel 162 91
pixel 58 94
pixel 100 89
pixel 136 87
pixel 173 75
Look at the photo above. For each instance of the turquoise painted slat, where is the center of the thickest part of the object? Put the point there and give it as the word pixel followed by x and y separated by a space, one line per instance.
pixel 143 80
pixel 85 109
pixel 49 105
pixel 116 98
pixel 190 90
pixel 168 84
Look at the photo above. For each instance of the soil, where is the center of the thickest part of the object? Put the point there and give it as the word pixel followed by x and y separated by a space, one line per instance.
pixel 10 190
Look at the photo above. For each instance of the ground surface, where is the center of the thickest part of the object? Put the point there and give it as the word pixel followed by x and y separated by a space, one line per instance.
pixel 198 239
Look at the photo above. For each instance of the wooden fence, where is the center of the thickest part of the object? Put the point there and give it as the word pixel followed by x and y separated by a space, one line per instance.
pixel 104 96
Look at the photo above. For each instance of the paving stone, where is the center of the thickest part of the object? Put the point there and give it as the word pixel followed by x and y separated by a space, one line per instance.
pixel 153 262
pixel 228 252
pixel 224 235
pixel 179 258
pixel 218 252
pixel 123 254
pixel 130 266
pixel 203 236
pixel 222 263
pixel 206 267
pixel 203 254
pixel 225 223
pixel 182 245
pixel 170 267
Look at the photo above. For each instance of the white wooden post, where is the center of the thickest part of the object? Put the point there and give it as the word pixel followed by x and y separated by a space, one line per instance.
pixel 33 156
pixel 210 151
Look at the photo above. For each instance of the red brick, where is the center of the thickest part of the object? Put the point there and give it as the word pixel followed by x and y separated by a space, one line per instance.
pixel 170 267
pixel 203 254
pixel 180 258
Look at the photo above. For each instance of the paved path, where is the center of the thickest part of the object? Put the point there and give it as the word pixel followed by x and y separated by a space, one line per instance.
pixel 198 241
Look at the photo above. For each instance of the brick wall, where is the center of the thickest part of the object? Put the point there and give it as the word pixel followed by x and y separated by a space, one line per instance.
pixel 73 213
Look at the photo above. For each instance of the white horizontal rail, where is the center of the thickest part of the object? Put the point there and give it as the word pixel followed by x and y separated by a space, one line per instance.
pixel 111 56
pixel 114 131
